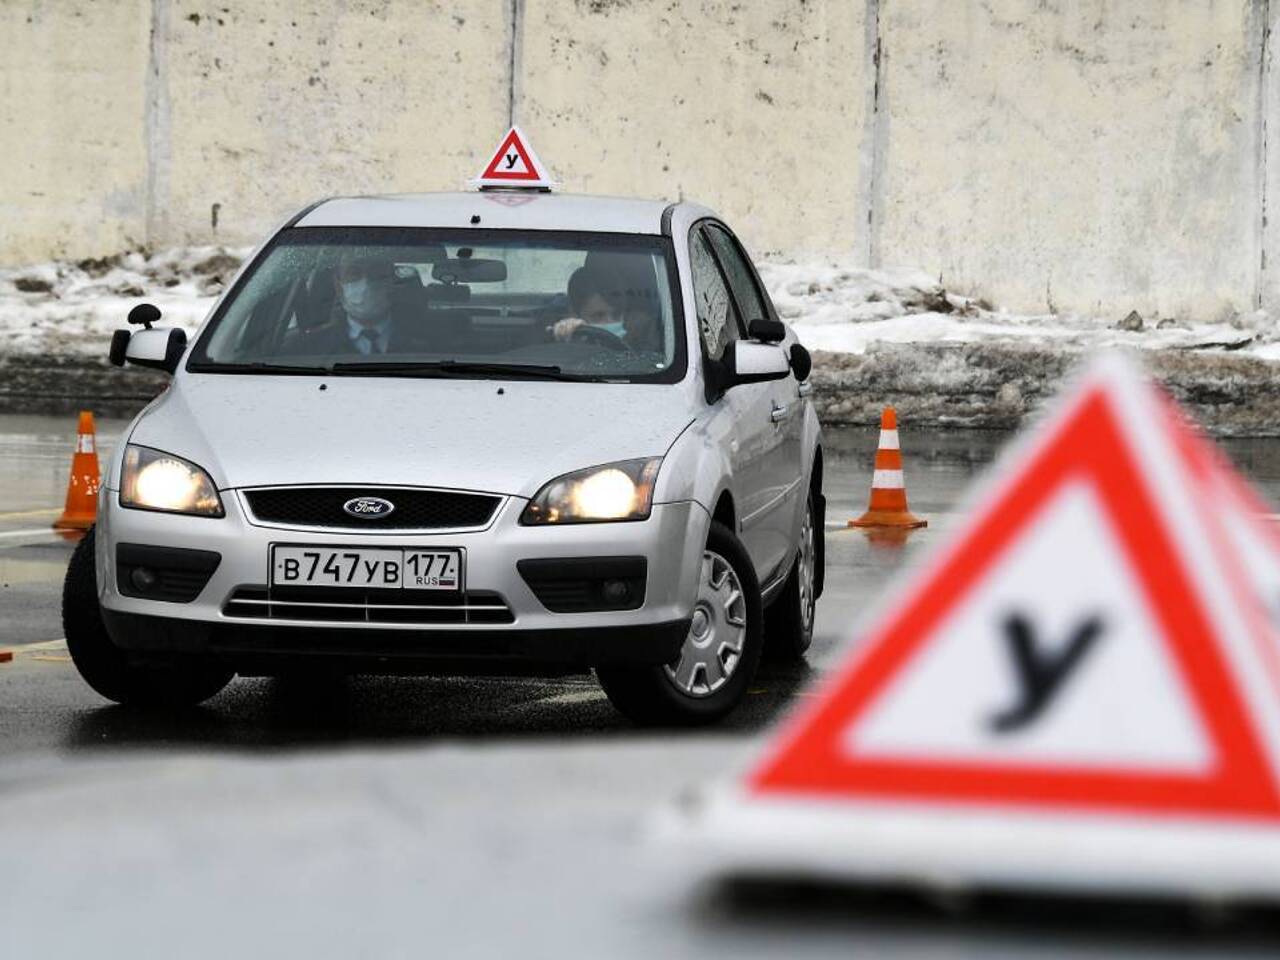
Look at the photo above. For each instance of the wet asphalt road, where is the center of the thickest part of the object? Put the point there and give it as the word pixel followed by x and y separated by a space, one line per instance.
pixel 528 794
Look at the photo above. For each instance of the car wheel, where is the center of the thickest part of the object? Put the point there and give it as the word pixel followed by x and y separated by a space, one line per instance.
pixel 720 653
pixel 105 667
pixel 788 622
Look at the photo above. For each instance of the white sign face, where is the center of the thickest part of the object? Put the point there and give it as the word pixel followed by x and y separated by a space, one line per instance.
pixel 1020 674
pixel 514 164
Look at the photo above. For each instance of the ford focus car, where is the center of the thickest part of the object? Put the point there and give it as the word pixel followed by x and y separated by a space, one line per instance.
pixel 489 432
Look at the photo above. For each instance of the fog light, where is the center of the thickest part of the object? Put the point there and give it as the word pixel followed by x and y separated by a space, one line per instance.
pixel 615 591
pixel 143 579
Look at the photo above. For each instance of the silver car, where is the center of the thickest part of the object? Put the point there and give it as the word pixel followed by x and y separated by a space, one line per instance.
pixel 493 432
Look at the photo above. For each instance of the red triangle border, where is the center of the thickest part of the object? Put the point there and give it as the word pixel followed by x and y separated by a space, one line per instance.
pixel 512 141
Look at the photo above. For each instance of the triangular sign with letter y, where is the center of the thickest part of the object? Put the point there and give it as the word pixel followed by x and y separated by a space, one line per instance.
pixel 514 164
pixel 1077 650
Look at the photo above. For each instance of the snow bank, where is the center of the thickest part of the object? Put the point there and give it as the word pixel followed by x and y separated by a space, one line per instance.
pixel 839 308
pixel 72 307
pixel 833 306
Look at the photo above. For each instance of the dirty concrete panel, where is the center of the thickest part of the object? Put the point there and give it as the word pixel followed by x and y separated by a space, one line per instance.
pixel 73 164
pixel 274 105
pixel 1269 155
pixel 1093 156
pixel 756 109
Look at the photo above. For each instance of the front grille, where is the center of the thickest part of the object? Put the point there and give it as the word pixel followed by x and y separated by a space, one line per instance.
pixel 415 509
pixel 350 605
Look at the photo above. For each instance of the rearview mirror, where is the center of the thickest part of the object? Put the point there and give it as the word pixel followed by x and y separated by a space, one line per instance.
pixel 159 349
pixel 469 270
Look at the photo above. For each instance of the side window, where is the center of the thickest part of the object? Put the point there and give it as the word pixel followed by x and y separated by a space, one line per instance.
pixel 738 271
pixel 717 316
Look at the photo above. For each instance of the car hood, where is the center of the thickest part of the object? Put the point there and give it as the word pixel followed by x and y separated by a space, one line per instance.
pixel 507 436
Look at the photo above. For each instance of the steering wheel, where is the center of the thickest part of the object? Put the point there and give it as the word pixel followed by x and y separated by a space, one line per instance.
pixel 599 336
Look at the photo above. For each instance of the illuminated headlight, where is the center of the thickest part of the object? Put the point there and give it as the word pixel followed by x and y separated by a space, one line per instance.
pixel 155 480
pixel 612 491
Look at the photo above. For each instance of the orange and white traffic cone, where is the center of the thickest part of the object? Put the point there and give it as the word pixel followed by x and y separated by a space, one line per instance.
pixel 82 489
pixel 888 506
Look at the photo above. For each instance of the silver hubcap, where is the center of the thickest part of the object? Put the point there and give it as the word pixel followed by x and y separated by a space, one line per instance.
pixel 808 560
pixel 713 648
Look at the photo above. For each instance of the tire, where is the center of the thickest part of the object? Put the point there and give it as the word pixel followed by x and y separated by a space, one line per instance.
pixel 106 668
pixel 693 690
pixel 788 622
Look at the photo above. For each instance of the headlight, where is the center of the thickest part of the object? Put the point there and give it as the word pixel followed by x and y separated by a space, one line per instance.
pixel 612 491
pixel 155 480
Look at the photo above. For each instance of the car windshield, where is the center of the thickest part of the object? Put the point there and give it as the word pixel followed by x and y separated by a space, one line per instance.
pixel 478 303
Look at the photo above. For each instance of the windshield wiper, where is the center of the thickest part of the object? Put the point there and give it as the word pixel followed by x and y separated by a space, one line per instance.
pixel 257 366
pixel 450 367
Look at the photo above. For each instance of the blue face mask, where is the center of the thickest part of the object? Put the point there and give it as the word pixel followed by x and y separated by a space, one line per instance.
pixel 617 328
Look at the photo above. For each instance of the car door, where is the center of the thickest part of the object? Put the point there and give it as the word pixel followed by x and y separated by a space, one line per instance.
pixel 754 437
pixel 775 409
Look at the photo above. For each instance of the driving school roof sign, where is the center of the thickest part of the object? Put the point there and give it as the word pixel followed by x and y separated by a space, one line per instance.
pixel 514 164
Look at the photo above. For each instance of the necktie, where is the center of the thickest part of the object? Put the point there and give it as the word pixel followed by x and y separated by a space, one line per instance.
pixel 367 342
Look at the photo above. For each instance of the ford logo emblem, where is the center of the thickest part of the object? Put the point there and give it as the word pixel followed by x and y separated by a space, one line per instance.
pixel 373 508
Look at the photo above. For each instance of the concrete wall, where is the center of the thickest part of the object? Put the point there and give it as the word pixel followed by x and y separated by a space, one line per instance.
pixel 272 105
pixel 756 109
pixel 1093 155
pixel 73 152
pixel 1090 154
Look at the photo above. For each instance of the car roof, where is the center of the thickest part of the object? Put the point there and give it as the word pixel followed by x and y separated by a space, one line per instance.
pixel 496 209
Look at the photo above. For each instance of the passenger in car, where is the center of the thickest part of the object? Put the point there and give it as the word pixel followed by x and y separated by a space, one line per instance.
pixel 368 320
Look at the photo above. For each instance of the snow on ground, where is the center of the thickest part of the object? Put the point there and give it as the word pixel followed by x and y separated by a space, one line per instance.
pixel 72 307
pixel 837 307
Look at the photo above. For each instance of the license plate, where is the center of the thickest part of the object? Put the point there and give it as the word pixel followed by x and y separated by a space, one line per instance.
pixel 382 568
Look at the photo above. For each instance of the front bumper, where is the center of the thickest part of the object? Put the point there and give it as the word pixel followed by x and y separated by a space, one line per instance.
pixel 670 542
pixel 259 648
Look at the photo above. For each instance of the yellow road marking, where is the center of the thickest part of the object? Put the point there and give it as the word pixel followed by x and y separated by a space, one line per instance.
pixel 43 512
pixel 59 644
pixel 48 659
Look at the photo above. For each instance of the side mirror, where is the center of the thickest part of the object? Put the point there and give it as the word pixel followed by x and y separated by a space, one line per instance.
pixel 747 362
pixel 801 362
pixel 155 348
pixel 767 331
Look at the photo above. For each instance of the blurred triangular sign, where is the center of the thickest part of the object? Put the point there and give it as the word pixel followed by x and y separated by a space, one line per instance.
pixel 1072 694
